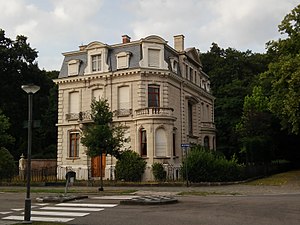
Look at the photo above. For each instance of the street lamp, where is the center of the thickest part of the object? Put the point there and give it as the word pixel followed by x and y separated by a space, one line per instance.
pixel 30 89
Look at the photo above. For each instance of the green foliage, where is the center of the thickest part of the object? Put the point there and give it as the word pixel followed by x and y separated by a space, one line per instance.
pixel 7 164
pixel 233 74
pixel 18 67
pixel 102 136
pixel 159 172
pixel 255 128
pixel 130 166
pixel 282 81
pixel 207 166
pixel 5 138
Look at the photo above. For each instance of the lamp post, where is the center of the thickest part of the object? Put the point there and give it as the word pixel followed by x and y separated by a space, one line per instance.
pixel 30 89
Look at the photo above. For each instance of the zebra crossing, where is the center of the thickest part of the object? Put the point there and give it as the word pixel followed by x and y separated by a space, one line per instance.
pixel 61 212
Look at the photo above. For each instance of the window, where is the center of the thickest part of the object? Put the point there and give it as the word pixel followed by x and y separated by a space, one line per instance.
pixel 160 142
pixel 74 102
pixel 153 96
pixel 186 72
pixel 153 57
pixel 143 137
pixel 190 118
pixel 174 143
pixel 73 67
pixel 206 142
pixel 96 63
pixel 123 60
pixel 97 94
pixel 74 144
pixel 123 101
pixel 191 74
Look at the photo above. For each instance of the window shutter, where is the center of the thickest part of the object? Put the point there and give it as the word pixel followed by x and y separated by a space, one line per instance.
pixel 97 94
pixel 160 143
pixel 122 62
pixel 153 57
pixel 74 102
pixel 124 97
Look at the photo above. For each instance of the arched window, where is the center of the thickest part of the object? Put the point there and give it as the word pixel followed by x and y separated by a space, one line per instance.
pixel 206 142
pixel 160 142
pixel 143 142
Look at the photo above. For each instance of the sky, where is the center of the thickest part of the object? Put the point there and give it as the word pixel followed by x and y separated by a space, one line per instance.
pixel 57 26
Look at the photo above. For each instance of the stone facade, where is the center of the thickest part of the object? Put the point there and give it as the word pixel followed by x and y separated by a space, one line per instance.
pixel 159 93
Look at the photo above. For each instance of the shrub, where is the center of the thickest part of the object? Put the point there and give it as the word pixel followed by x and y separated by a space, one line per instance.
pixel 158 172
pixel 207 166
pixel 130 166
pixel 7 164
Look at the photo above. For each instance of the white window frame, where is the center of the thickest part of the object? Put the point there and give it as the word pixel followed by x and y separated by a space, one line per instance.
pixel 103 52
pixel 73 67
pixel 125 56
pixel 144 63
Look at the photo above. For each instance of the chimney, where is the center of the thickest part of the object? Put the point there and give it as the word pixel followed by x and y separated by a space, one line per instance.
pixel 125 39
pixel 179 43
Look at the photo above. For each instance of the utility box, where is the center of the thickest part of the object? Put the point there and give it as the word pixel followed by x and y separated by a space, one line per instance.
pixel 70 176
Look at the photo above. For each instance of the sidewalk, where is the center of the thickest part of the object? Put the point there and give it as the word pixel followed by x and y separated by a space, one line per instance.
pixel 289 183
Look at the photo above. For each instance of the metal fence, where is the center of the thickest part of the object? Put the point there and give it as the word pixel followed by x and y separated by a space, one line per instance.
pixel 37 175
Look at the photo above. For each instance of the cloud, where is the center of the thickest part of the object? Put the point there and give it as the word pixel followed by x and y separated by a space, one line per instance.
pixel 231 23
pixel 56 26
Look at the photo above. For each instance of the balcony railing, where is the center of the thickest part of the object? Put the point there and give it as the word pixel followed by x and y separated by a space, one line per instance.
pixel 154 111
pixel 81 116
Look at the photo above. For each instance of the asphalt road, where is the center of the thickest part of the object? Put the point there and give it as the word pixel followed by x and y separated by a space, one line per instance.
pixel 254 209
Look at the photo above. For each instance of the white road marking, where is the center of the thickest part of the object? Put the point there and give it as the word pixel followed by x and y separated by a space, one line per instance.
pixel 53 213
pixel 42 204
pixel 116 197
pixel 43 219
pixel 71 209
pixel 20 209
pixel 4 213
pixel 88 205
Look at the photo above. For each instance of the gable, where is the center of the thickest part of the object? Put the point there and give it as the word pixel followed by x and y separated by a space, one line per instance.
pixel 193 54
pixel 95 44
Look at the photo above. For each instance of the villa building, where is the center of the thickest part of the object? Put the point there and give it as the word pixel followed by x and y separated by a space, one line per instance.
pixel 158 92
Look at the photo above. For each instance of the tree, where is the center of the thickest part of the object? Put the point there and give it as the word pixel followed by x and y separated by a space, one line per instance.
pixel 5 138
pixel 7 164
pixel 18 66
pixel 130 166
pixel 255 128
pixel 282 80
pixel 102 137
pixel 232 74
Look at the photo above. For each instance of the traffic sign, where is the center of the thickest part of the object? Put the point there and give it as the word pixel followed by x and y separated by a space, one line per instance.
pixel 185 145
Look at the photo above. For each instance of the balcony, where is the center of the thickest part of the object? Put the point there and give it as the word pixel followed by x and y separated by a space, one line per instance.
pixel 155 112
pixel 81 117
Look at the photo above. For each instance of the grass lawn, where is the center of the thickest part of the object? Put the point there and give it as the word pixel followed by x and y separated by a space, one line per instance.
pixel 287 178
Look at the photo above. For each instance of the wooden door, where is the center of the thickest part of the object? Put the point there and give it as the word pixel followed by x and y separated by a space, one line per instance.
pixel 96 166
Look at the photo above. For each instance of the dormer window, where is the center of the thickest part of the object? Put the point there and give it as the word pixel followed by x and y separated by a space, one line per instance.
pixel 153 56
pixel 97 54
pixel 123 60
pixel 73 67
pixel 174 64
pixel 96 63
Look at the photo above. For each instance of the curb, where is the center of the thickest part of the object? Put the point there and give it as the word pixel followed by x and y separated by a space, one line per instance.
pixel 149 200
pixel 59 199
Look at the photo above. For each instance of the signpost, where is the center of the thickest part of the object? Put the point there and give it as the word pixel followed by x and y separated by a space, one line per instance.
pixel 185 147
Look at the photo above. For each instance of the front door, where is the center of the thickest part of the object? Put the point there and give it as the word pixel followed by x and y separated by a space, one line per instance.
pixel 96 166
